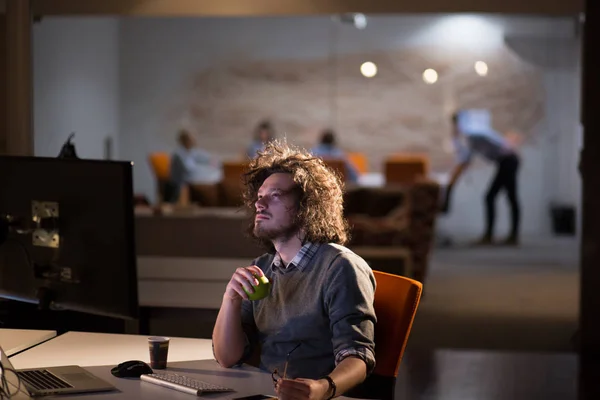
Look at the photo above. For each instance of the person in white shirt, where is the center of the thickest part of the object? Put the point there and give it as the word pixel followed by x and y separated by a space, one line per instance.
pixel 191 165
pixel 468 140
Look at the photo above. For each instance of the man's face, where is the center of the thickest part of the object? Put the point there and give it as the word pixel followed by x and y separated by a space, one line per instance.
pixel 276 208
pixel 187 141
pixel 264 135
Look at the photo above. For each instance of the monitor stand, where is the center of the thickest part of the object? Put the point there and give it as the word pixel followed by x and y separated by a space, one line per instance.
pixel 45 298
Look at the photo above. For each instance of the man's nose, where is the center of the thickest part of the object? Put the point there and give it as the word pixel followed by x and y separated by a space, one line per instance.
pixel 260 204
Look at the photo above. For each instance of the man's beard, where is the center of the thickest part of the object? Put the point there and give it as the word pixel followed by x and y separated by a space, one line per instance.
pixel 280 233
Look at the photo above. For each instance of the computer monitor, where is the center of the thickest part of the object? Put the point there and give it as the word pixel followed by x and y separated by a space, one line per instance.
pixel 67 235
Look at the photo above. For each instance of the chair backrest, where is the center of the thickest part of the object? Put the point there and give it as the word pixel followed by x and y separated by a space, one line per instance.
pixel 234 170
pixel 406 168
pixel 338 165
pixel 396 301
pixel 160 163
pixel 359 160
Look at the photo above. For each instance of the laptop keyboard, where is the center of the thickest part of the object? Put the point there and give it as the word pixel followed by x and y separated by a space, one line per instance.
pixel 42 380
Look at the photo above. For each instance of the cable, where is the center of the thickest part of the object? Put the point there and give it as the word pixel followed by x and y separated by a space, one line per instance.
pixel 5 385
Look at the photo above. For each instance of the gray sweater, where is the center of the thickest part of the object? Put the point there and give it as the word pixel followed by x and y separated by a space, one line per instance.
pixel 328 306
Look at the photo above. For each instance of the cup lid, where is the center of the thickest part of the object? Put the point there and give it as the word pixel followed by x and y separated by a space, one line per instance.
pixel 158 339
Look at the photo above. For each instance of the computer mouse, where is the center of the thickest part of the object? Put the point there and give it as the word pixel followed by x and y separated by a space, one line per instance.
pixel 131 369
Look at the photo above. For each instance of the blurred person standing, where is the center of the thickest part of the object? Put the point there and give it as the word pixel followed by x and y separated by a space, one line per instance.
pixel 471 135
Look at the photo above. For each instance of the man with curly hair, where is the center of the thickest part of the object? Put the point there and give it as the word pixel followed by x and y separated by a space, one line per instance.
pixel 316 327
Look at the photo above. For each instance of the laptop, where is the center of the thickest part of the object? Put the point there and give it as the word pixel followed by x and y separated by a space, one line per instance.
pixel 37 382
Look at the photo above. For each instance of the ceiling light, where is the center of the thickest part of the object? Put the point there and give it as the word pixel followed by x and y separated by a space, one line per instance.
pixel 481 68
pixel 430 76
pixel 368 69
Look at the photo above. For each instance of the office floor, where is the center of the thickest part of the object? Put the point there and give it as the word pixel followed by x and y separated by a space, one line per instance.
pixel 522 298
pixel 487 375
pixel 496 324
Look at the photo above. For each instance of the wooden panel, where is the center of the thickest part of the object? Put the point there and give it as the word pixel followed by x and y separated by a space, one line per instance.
pixel 3 79
pixel 590 245
pixel 298 7
pixel 18 107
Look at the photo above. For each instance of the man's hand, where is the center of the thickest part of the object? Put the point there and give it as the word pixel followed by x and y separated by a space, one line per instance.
pixel 456 173
pixel 242 277
pixel 302 389
pixel 445 206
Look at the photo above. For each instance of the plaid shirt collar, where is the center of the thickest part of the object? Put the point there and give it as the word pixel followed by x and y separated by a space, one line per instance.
pixel 301 260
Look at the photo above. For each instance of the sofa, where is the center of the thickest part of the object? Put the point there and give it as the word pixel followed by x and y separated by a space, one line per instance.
pixel 391 224
pixel 395 217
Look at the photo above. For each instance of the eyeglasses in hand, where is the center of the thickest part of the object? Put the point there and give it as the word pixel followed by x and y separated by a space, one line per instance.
pixel 275 375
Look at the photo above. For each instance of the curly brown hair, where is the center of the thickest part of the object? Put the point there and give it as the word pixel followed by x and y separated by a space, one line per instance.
pixel 319 191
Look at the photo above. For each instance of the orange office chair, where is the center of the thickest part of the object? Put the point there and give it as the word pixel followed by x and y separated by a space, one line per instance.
pixel 406 168
pixel 338 165
pixel 396 302
pixel 160 163
pixel 233 171
pixel 359 160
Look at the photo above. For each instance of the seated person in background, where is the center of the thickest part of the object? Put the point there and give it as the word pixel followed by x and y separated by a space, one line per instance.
pixel 321 300
pixel 263 134
pixel 190 165
pixel 327 148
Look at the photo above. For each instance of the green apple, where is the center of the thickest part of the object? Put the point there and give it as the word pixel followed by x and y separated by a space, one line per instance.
pixel 261 290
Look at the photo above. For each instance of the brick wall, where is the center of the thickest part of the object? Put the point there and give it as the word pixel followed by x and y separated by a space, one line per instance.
pixel 392 112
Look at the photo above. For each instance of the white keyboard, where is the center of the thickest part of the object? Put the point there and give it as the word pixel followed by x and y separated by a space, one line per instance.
pixel 184 384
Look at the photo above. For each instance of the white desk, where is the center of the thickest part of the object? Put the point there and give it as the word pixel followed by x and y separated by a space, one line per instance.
pixel 86 349
pixel 16 340
pixel 245 380
pixel 99 352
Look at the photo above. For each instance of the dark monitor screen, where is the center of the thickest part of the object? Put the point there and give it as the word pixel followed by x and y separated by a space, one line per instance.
pixel 67 234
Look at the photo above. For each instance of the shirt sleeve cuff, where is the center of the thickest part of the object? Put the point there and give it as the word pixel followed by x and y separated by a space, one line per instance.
pixel 364 353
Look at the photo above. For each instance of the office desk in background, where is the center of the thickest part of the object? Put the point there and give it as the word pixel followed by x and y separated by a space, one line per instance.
pixel 16 340
pixel 86 349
